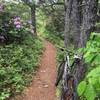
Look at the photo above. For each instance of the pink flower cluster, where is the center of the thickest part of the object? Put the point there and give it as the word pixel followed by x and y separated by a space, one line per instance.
pixel 1 8
pixel 17 22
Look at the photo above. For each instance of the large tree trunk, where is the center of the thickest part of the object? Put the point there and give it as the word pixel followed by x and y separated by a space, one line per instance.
pixel 72 22
pixel 80 18
pixel 33 18
pixel 89 11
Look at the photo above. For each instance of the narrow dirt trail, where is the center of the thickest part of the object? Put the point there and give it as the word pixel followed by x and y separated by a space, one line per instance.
pixel 43 87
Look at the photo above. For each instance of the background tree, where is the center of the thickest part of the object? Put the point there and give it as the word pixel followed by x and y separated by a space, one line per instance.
pixel 32 5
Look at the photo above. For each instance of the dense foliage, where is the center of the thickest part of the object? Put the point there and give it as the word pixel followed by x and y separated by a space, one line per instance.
pixel 50 21
pixel 17 63
pixel 89 88
pixel 19 54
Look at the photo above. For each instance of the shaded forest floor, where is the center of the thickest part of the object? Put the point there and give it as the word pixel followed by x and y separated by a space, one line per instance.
pixel 43 85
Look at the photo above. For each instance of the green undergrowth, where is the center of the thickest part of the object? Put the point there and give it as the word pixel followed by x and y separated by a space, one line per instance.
pixel 89 88
pixel 18 63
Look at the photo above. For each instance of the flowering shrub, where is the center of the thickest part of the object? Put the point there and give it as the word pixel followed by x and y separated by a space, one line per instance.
pixel 17 22
pixel 1 8
pixel 19 58
pixel 11 27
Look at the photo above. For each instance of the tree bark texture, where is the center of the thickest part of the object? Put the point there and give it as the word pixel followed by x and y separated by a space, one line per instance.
pixel 89 11
pixel 80 19
pixel 33 18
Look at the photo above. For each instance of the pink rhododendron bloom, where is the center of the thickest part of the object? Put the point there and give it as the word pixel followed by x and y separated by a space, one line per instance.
pixel 18 26
pixel 1 8
pixel 17 22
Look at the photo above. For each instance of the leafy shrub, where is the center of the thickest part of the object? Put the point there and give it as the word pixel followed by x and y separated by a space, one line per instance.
pixel 17 63
pixel 19 56
pixel 12 28
pixel 89 88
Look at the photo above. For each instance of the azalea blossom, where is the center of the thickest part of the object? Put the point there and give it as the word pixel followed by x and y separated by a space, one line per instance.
pixel 18 26
pixel 1 8
pixel 17 22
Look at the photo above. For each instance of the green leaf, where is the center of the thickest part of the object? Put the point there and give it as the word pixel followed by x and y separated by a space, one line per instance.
pixel 2 71
pixel 99 80
pixel 89 58
pixel 97 59
pixel 94 73
pixel 81 88
pixel 90 93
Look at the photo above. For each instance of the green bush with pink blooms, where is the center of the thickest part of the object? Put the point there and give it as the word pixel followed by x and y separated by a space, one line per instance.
pixel 19 54
pixel 12 27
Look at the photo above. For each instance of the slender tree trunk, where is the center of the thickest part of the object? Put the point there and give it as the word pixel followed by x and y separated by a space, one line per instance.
pixel 68 8
pixel 33 18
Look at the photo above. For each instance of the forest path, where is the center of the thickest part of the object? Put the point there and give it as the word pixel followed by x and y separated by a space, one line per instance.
pixel 43 85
